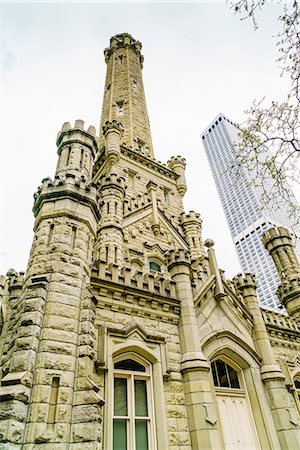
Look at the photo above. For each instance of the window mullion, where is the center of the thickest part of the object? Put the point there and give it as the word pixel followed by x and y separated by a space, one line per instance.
pixel 132 413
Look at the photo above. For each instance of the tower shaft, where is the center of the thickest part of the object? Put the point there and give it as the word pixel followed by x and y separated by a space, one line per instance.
pixel 124 97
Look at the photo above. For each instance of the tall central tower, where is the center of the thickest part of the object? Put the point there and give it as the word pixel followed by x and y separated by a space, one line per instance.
pixel 124 97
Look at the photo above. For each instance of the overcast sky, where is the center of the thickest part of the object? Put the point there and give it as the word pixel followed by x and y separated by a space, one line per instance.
pixel 200 59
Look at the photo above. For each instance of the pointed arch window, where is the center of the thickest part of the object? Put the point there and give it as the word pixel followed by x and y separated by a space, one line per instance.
pixel 224 375
pixel 154 266
pixel 133 423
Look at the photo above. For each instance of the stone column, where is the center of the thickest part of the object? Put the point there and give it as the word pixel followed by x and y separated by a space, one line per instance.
pixel 271 374
pixel 279 243
pixel 194 367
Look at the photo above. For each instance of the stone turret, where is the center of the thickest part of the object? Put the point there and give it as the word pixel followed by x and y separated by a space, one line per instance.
pixel 112 131
pixel 191 224
pixel 45 353
pixel 124 98
pixel 279 243
pixel 177 164
pixel 76 150
pixel 109 245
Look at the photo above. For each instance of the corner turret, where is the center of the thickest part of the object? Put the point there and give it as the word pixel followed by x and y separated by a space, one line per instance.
pixel 76 148
pixel 279 243
pixel 191 224
pixel 177 164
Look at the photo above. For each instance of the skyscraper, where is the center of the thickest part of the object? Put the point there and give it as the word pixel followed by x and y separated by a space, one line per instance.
pixel 246 218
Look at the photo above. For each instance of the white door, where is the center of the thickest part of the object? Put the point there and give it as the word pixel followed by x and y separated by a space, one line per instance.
pixel 236 422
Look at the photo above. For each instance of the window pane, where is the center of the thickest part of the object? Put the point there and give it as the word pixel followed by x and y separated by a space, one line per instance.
pixel 140 394
pixel 221 369
pixel 213 368
pixel 120 435
pixel 141 435
pixel 120 397
pixel 233 377
pixel 130 364
pixel 154 266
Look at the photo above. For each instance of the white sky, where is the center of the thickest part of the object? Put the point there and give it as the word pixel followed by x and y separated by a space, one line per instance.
pixel 200 59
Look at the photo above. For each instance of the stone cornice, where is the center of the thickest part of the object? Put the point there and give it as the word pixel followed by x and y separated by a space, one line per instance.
pixel 129 300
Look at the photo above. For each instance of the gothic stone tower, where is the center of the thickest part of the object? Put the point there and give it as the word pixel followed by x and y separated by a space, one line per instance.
pixel 124 334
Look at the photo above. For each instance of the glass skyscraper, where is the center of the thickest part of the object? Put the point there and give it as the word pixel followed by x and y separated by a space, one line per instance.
pixel 246 219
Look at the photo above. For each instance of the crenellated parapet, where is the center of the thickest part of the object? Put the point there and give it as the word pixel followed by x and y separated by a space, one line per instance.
pixel 77 149
pixel 124 40
pixel 179 257
pixel 191 224
pixel 245 281
pixel 76 188
pixel 177 164
pixel 279 243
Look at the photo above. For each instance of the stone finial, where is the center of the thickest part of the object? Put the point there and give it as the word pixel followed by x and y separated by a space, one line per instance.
pixel 209 243
pixel 11 273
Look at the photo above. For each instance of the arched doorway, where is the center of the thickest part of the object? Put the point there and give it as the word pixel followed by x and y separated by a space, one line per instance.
pixel 237 424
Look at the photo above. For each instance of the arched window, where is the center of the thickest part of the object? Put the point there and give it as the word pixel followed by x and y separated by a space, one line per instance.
pixel 154 266
pixel 297 385
pixel 132 405
pixel 224 375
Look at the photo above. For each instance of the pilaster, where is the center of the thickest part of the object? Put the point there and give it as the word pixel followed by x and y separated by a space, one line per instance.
pixel 194 367
pixel 271 374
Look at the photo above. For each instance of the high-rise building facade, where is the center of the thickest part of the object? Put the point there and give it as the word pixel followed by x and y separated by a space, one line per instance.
pixel 123 333
pixel 240 199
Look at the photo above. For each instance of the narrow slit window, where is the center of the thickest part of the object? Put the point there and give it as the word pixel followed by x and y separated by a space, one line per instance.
pixel 50 235
pixel 53 400
pixel 120 108
pixel 73 236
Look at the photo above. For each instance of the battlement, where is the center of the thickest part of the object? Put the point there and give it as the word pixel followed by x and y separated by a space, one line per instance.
pixel 191 217
pixel 290 287
pixel 151 283
pixel 176 162
pixel 123 40
pixel 112 181
pixel 113 125
pixel 77 135
pixel 276 237
pixel 246 280
pixel 65 185
pixel 177 257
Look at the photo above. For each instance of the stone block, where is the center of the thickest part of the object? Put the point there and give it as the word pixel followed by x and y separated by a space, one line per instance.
pixel 58 347
pixel 62 309
pixel 23 360
pixel 39 412
pixel 13 409
pixel 60 336
pixel 86 432
pixel 61 323
pixel 86 413
pixel 56 362
pixel 11 431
